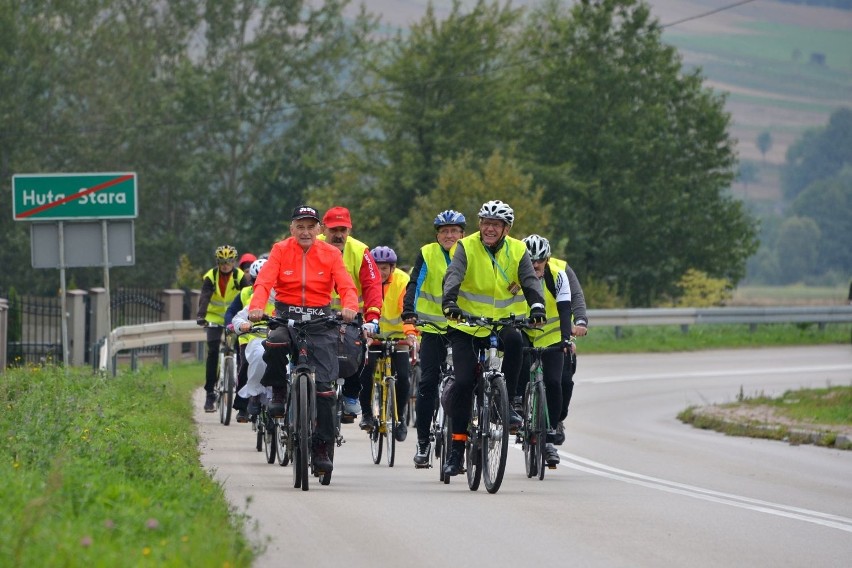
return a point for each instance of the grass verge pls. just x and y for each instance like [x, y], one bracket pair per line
[106, 472]
[805, 416]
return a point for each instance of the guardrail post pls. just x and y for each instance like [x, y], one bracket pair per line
[76, 326]
[4, 332]
[172, 311]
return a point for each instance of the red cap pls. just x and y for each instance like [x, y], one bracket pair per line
[247, 257]
[337, 217]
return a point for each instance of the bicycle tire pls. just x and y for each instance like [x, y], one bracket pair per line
[541, 427]
[473, 445]
[259, 430]
[228, 394]
[411, 408]
[376, 441]
[282, 433]
[304, 417]
[528, 432]
[495, 440]
[446, 440]
[390, 420]
[270, 446]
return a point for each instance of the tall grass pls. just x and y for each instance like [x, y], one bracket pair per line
[106, 472]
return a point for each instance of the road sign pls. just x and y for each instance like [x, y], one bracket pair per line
[82, 244]
[68, 197]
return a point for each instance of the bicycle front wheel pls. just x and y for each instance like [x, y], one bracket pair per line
[303, 430]
[390, 420]
[495, 439]
[270, 445]
[473, 446]
[529, 429]
[226, 397]
[541, 427]
[376, 435]
[444, 437]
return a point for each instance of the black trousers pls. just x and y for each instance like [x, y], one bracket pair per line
[433, 352]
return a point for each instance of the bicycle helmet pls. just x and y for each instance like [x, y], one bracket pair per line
[226, 252]
[384, 254]
[496, 209]
[538, 247]
[255, 267]
[450, 217]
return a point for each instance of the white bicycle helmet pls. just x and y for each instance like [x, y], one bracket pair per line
[538, 247]
[496, 209]
[255, 267]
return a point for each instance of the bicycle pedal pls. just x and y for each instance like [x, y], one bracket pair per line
[551, 466]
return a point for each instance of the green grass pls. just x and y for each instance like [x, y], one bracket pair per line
[639, 339]
[106, 472]
[830, 405]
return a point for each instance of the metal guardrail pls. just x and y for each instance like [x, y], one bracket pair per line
[145, 335]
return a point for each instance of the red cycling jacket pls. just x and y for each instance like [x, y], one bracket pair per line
[304, 278]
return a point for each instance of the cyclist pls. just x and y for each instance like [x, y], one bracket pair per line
[556, 331]
[251, 344]
[304, 271]
[337, 229]
[219, 286]
[423, 300]
[240, 302]
[394, 282]
[245, 261]
[490, 275]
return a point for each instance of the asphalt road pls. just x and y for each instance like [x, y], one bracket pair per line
[635, 488]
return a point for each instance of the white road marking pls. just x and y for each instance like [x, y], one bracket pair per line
[732, 373]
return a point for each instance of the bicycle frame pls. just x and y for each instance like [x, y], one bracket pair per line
[383, 397]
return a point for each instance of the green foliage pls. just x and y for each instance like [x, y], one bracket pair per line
[596, 108]
[92, 476]
[602, 295]
[797, 248]
[819, 154]
[764, 142]
[187, 276]
[698, 290]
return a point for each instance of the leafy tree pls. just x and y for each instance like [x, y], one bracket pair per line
[701, 291]
[797, 249]
[646, 145]
[438, 91]
[464, 184]
[764, 143]
[818, 154]
[829, 204]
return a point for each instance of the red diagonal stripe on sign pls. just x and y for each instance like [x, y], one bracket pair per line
[93, 189]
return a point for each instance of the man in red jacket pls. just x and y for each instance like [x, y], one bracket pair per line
[304, 272]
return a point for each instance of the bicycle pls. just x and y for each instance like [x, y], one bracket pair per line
[487, 442]
[294, 432]
[226, 371]
[267, 439]
[383, 399]
[533, 433]
[440, 432]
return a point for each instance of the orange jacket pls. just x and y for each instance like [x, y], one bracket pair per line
[303, 278]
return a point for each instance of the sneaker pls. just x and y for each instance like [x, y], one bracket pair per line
[518, 404]
[551, 456]
[351, 406]
[401, 431]
[366, 423]
[515, 422]
[319, 457]
[558, 434]
[242, 416]
[254, 405]
[454, 460]
[421, 456]
[210, 402]
[277, 407]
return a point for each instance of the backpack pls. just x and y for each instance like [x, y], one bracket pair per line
[350, 351]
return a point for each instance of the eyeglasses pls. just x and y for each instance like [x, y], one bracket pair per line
[491, 223]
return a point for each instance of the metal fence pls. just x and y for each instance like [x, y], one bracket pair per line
[34, 330]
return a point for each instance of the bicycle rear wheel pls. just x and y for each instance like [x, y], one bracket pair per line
[270, 445]
[282, 440]
[376, 441]
[495, 439]
[226, 400]
[390, 420]
[529, 432]
[473, 446]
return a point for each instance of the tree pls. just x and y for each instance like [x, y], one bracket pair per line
[464, 184]
[818, 154]
[647, 147]
[439, 91]
[797, 249]
[764, 143]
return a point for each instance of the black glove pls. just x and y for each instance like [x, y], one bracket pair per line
[537, 316]
[408, 315]
[201, 321]
[452, 311]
